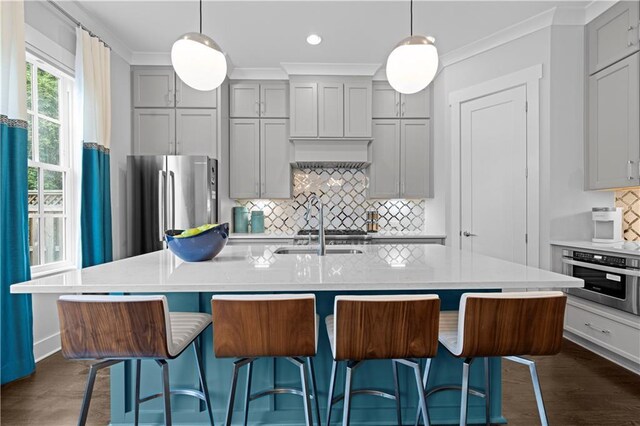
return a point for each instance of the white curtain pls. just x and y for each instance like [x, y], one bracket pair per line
[13, 95]
[92, 105]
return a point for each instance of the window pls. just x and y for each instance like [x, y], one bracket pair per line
[49, 178]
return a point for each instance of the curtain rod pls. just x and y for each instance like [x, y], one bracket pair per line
[75, 21]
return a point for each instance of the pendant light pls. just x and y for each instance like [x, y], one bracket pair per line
[198, 60]
[413, 63]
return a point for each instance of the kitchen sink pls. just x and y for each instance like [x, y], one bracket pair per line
[314, 250]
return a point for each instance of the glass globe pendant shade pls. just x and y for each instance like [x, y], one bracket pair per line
[412, 65]
[199, 61]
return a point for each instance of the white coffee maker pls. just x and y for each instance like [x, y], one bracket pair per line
[607, 225]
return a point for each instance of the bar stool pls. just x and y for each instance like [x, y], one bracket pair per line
[400, 328]
[113, 329]
[504, 325]
[248, 327]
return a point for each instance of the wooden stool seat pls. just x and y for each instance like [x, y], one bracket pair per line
[248, 327]
[400, 328]
[113, 329]
[506, 325]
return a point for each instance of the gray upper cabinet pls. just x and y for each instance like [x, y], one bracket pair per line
[613, 35]
[384, 171]
[387, 103]
[330, 109]
[401, 159]
[244, 100]
[416, 105]
[153, 87]
[304, 109]
[196, 132]
[275, 169]
[254, 99]
[188, 97]
[244, 158]
[154, 131]
[357, 109]
[614, 125]
[274, 100]
[415, 159]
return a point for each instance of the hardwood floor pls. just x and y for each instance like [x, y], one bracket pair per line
[579, 387]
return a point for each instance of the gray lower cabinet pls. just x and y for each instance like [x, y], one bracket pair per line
[613, 35]
[154, 131]
[401, 159]
[614, 125]
[259, 158]
[196, 132]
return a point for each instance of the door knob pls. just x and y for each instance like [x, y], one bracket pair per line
[469, 234]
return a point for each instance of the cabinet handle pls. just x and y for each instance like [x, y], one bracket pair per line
[403, 109]
[398, 109]
[264, 107]
[177, 151]
[258, 107]
[601, 330]
[629, 167]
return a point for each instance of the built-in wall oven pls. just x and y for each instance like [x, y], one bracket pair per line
[608, 280]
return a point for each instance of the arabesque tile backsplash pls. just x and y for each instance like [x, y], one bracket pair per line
[629, 200]
[343, 192]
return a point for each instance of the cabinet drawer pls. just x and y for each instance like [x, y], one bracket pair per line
[615, 336]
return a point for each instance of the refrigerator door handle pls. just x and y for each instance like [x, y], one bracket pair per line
[173, 199]
[162, 224]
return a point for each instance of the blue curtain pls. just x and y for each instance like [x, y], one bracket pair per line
[96, 206]
[16, 340]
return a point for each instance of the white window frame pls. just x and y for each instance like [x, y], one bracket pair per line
[65, 119]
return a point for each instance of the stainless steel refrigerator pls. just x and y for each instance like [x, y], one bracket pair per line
[168, 192]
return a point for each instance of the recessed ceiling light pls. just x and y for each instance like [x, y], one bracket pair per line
[314, 39]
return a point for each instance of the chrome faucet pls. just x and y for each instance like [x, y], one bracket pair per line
[322, 248]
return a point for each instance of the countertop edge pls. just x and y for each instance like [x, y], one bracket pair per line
[595, 247]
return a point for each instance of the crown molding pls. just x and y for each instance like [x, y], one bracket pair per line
[258, 74]
[507, 35]
[150, 58]
[96, 26]
[297, 68]
[596, 8]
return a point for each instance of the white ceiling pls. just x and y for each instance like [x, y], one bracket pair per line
[263, 34]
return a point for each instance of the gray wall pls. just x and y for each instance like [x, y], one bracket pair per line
[564, 204]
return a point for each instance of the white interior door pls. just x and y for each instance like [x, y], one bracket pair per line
[493, 155]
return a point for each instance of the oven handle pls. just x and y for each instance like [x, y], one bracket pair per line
[621, 271]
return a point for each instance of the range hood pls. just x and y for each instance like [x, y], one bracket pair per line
[343, 153]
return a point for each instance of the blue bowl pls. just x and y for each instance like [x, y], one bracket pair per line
[204, 246]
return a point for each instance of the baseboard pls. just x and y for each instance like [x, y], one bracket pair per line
[46, 347]
[613, 357]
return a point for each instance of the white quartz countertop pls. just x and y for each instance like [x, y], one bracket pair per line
[609, 248]
[374, 235]
[255, 268]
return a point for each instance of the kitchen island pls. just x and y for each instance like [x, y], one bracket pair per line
[385, 268]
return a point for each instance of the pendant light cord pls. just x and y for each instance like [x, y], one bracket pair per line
[411, 25]
[200, 16]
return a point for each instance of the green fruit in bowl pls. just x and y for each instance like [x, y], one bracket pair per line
[195, 231]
